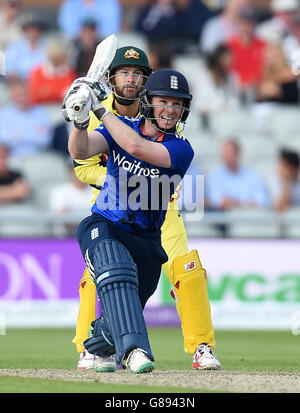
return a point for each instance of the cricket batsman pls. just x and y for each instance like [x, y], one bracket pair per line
[126, 77]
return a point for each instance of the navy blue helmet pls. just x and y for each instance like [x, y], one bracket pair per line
[165, 82]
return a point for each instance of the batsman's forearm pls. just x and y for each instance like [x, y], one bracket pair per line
[78, 144]
[125, 136]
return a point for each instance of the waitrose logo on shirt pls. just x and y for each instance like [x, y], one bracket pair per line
[134, 167]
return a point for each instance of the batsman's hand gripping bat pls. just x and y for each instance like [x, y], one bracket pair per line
[105, 52]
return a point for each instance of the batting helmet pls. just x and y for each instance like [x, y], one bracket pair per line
[127, 56]
[130, 56]
[165, 82]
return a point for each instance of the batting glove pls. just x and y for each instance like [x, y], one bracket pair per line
[85, 90]
[98, 95]
[77, 106]
[71, 92]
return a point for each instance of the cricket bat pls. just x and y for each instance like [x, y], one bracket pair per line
[105, 52]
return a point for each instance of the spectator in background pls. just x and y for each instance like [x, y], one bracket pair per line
[278, 83]
[13, 185]
[291, 42]
[285, 188]
[49, 81]
[107, 14]
[84, 46]
[248, 53]
[220, 28]
[25, 129]
[274, 30]
[232, 185]
[159, 56]
[178, 22]
[29, 51]
[156, 20]
[59, 201]
[191, 17]
[215, 87]
[10, 26]
[60, 138]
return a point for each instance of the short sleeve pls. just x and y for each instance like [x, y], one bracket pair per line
[102, 129]
[181, 154]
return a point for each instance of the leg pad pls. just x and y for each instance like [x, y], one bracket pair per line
[117, 286]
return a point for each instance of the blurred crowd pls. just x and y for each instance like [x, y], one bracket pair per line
[247, 53]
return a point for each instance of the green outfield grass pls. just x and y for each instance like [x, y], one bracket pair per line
[53, 348]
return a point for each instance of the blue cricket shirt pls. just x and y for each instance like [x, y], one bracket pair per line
[135, 194]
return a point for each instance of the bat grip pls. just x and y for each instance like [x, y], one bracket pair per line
[77, 107]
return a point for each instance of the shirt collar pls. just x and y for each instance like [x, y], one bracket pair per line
[158, 139]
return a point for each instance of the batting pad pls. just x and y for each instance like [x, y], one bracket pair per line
[117, 287]
[87, 309]
[190, 293]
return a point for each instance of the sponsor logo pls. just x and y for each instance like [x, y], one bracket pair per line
[190, 266]
[148, 188]
[131, 54]
[94, 233]
[134, 167]
[174, 82]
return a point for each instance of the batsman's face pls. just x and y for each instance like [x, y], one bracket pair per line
[129, 82]
[167, 111]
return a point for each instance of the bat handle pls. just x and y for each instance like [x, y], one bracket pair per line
[77, 107]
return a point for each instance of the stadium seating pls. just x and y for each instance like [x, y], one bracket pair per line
[43, 171]
[23, 220]
[132, 38]
[291, 223]
[188, 65]
[202, 230]
[253, 223]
